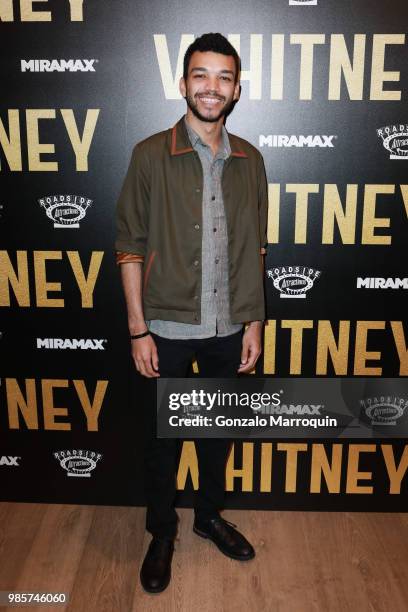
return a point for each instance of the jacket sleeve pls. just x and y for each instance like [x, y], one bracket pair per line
[262, 204]
[132, 210]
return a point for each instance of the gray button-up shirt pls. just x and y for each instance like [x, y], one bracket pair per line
[215, 307]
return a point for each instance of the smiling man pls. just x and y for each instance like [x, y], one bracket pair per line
[191, 237]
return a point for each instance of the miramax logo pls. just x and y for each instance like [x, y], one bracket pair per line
[84, 344]
[65, 210]
[58, 65]
[283, 141]
[293, 281]
[395, 140]
[78, 462]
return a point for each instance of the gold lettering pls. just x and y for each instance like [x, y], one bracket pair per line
[254, 74]
[361, 355]
[18, 404]
[320, 465]
[245, 473]
[296, 341]
[401, 345]
[273, 212]
[291, 449]
[277, 57]
[51, 411]
[404, 192]
[370, 221]
[33, 115]
[307, 43]
[80, 145]
[266, 467]
[18, 281]
[42, 287]
[188, 465]
[86, 284]
[353, 475]
[269, 347]
[326, 344]
[6, 10]
[77, 13]
[11, 144]
[378, 74]
[333, 209]
[27, 13]
[93, 409]
[302, 200]
[340, 64]
[395, 474]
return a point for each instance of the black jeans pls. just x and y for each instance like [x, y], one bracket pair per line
[216, 358]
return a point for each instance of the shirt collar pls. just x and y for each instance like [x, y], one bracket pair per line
[224, 150]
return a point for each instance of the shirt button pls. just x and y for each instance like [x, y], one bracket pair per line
[213, 198]
[216, 260]
[215, 291]
[214, 229]
[197, 227]
[196, 262]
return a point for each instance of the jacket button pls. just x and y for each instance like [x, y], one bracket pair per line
[197, 227]
[196, 297]
[198, 190]
[196, 262]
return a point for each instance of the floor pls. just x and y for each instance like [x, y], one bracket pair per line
[306, 561]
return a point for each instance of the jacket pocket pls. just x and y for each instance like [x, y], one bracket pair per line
[148, 269]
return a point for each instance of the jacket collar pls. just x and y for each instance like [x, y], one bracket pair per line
[180, 142]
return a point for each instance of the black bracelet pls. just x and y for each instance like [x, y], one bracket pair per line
[146, 333]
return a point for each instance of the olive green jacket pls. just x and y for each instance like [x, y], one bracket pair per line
[159, 218]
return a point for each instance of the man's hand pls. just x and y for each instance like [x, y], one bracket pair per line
[144, 353]
[251, 346]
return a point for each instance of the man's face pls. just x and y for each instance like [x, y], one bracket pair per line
[210, 88]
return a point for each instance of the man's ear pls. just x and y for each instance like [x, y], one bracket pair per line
[237, 90]
[182, 87]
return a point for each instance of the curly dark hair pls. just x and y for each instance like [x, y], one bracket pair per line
[215, 42]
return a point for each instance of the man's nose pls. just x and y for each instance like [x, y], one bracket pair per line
[213, 84]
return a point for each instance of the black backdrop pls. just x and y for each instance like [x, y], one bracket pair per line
[294, 94]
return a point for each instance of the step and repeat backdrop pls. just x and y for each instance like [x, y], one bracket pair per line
[324, 98]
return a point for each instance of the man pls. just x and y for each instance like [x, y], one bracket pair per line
[191, 239]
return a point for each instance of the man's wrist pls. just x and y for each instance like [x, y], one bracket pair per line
[137, 327]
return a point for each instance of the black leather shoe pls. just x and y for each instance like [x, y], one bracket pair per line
[156, 569]
[225, 537]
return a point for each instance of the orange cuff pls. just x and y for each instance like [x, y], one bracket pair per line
[122, 257]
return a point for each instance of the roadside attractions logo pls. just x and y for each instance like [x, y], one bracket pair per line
[293, 281]
[66, 211]
[395, 140]
[55, 65]
[383, 410]
[78, 463]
